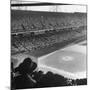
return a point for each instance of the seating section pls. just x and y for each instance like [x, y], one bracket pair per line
[48, 39]
[34, 20]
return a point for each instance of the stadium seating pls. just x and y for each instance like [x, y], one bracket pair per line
[34, 21]
[32, 43]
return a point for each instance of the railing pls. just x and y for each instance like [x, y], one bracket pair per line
[42, 31]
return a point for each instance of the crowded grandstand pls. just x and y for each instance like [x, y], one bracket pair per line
[52, 27]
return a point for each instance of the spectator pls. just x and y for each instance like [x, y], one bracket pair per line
[24, 80]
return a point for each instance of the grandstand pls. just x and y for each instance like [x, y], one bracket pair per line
[51, 26]
[23, 21]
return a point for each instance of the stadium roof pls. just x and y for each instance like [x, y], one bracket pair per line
[33, 3]
[46, 6]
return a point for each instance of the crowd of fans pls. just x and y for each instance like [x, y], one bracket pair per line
[33, 21]
[48, 39]
[61, 27]
[71, 26]
[26, 75]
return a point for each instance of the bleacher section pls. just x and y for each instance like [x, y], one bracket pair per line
[23, 21]
[27, 28]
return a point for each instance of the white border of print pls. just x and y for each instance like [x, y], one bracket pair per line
[5, 44]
